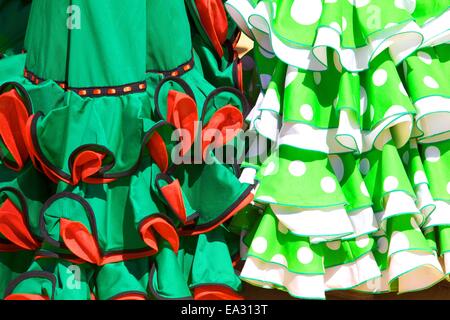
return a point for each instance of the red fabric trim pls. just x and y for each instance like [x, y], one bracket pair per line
[227, 121]
[163, 228]
[240, 75]
[183, 114]
[86, 164]
[80, 241]
[93, 297]
[236, 260]
[131, 296]
[13, 119]
[26, 296]
[14, 228]
[173, 195]
[117, 257]
[241, 205]
[158, 151]
[214, 20]
[215, 292]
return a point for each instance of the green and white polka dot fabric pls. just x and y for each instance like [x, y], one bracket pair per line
[356, 108]
[300, 31]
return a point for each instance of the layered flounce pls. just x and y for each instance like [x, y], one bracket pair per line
[93, 189]
[165, 275]
[299, 32]
[330, 155]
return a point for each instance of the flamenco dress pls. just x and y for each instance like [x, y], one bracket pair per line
[340, 210]
[15, 188]
[200, 188]
[108, 229]
[85, 121]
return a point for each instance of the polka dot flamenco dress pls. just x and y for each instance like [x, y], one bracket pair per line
[353, 189]
[91, 204]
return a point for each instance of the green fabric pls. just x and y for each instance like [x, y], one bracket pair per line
[14, 18]
[130, 201]
[55, 279]
[357, 170]
[27, 190]
[13, 264]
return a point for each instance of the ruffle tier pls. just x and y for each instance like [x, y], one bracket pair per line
[299, 32]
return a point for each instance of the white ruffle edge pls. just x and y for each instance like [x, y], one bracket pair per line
[401, 40]
[310, 286]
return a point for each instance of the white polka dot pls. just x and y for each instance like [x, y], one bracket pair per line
[405, 157]
[297, 168]
[359, 3]
[430, 82]
[328, 184]
[364, 190]
[336, 26]
[379, 77]
[390, 183]
[269, 169]
[306, 112]
[317, 77]
[344, 24]
[432, 154]
[265, 80]
[395, 110]
[259, 245]
[408, 5]
[448, 188]
[362, 241]
[338, 166]
[399, 241]
[362, 101]
[402, 89]
[280, 259]
[334, 245]
[291, 75]
[305, 255]
[424, 57]
[282, 228]
[337, 62]
[420, 177]
[266, 199]
[306, 12]
[382, 245]
[364, 166]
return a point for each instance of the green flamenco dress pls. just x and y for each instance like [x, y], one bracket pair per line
[214, 38]
[21, 188]
[425, 156]
[340, 211]
[201, 190]
[108, 230]
[84, 120]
